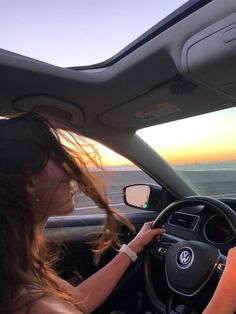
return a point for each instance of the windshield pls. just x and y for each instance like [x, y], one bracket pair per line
[201, 149]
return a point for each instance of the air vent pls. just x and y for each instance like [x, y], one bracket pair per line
[183, 220]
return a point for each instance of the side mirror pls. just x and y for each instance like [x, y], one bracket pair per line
[143, 196]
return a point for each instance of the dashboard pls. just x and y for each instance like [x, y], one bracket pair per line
[202, 224]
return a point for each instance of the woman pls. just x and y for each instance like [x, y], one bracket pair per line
[38, 176]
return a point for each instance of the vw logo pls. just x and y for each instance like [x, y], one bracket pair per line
[185, 258]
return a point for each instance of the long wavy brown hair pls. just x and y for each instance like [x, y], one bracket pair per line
[27, 142]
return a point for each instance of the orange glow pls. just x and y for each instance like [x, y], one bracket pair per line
[110, 158]
[199, 157]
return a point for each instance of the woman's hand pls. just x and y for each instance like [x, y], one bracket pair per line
[227, 283]
[229, 275]
[224, 298]
[145, 235]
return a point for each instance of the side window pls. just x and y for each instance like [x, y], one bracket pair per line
[118, 172]
[114, 178]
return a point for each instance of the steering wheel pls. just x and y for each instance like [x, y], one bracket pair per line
[189, 265]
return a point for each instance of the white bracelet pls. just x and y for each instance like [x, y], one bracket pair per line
[130, 253]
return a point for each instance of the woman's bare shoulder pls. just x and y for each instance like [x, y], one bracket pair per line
[52, 305]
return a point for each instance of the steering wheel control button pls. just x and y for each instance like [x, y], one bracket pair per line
[185, 258]
[221, 267]
[195, 263]
[221, 264]
[162, 250]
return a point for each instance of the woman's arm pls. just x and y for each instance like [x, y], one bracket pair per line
[93, 291]
[224, 298]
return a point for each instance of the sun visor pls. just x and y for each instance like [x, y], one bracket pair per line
[57, 109]
[165, 103]
[209, 57]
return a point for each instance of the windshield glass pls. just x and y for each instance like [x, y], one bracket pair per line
[201, 149]
[76, 32]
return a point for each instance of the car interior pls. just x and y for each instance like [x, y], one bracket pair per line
[182, 68]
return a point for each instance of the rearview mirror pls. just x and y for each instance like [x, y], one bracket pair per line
[143, 196]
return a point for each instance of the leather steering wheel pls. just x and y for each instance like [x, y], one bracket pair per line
[189, 265]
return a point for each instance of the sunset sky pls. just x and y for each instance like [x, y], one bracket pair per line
[202, 139]
[206, 138]
[77, 32]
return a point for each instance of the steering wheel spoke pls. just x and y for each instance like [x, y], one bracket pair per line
[160, 248]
